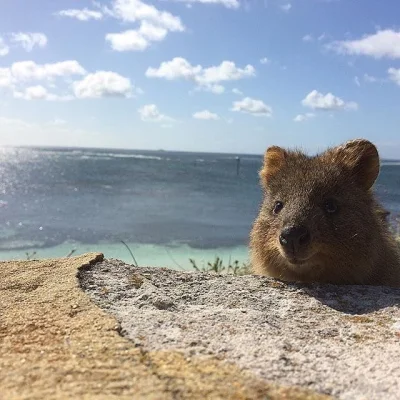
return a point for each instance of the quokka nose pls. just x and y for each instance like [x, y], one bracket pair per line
[294, 237]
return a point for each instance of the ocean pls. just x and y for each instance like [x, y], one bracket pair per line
[166, 206]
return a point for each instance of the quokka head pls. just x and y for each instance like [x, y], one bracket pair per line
[318, 208]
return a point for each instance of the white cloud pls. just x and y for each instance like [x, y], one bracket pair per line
[237, 91]
[152, 32]
[130, 40]
[82, 15]
[19, 73]
[217, 89]
[33, 93]
[39, 93]
[234, 4]
[357, 81]
[370, 79]
[226, 71]
[177, 68]
[154, 25]
[150, 113]
[4, 49]
[206, 78]
[286, 7]
[29, 70]
[103, 84]
[136, 10]
[29, 40]
[264, 60]
[136, 40]
[318, 101]
[394, 75]
[310, 38]
[253, 107]
[303, 117]
[205, 114]
[373, 79]
[382, 44]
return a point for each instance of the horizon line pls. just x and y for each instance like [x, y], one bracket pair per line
[145, 150]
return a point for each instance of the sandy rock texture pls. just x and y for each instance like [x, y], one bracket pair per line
[342, 341]
[55, 343]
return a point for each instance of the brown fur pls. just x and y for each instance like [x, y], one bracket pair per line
[351, 246]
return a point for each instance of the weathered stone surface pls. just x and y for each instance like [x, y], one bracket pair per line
[55, 343]
[340, 340]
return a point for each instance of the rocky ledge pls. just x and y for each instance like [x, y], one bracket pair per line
[85, 327]
[342, 341]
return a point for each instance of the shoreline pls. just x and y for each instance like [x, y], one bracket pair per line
[170, 256]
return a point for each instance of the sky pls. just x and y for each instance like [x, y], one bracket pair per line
[200, 75]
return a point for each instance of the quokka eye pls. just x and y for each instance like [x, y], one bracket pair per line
[278, 207]
[331, 206]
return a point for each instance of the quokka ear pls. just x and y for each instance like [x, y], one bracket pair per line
[360, 157]
[274, 160]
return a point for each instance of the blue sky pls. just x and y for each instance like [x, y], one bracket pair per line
[200, 75]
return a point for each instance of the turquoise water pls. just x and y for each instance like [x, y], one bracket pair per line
[145, 254]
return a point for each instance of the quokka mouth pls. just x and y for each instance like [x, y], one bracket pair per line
[294, 260]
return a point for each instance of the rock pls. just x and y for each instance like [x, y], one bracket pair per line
[55, 343]
[342, 341]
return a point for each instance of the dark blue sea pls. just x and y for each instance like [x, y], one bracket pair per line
[59, 198]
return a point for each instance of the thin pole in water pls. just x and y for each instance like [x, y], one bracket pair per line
[237, 165]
